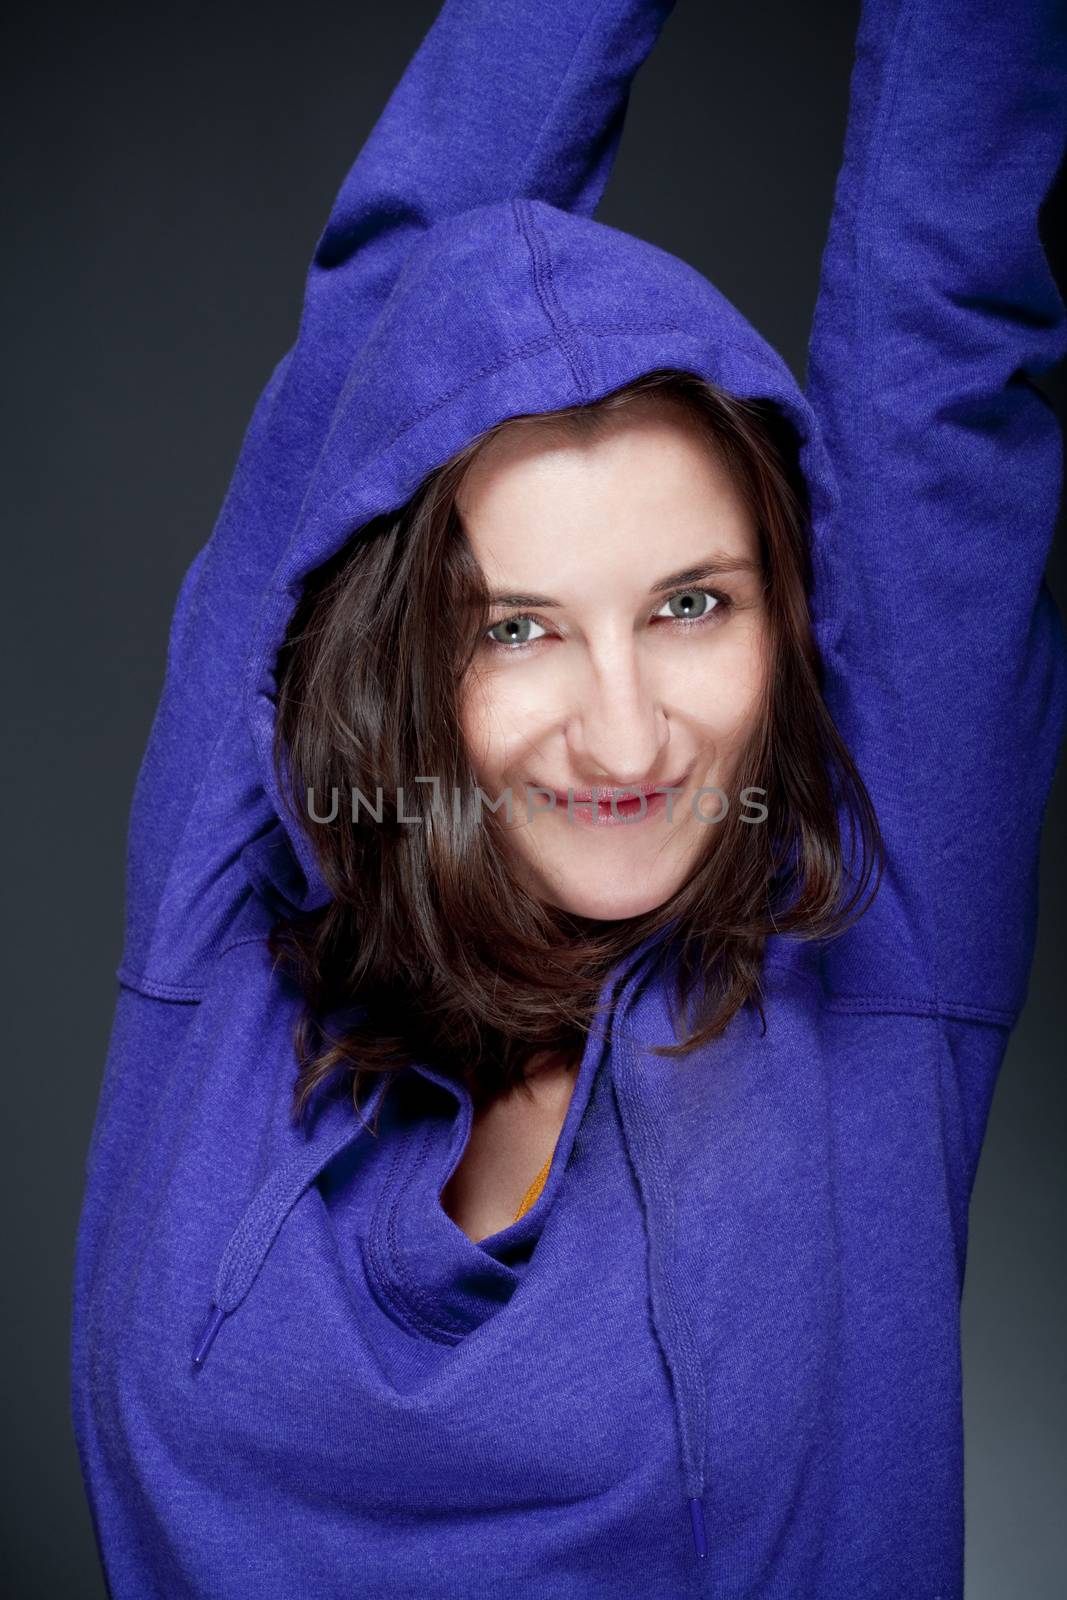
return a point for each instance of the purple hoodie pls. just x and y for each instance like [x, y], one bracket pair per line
[720, 1356]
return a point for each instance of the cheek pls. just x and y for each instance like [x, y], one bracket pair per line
[743, 692]
[722, 692]
[487, 713]
[504, 713]
[475, 723]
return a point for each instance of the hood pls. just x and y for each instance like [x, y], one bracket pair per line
[505, 309]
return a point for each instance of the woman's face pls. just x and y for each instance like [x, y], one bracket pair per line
[627, 648]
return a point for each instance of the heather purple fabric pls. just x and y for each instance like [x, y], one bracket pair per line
[720, 1356]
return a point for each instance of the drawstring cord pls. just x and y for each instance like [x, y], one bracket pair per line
[263, 1218]
[669, 1317]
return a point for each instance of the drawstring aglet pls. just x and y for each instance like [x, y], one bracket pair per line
[700, 1537]
[207, 1338]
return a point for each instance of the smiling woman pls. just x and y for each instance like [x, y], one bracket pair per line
[674, 652]
[611, 683]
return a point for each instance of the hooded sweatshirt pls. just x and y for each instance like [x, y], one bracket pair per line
[719, 1355]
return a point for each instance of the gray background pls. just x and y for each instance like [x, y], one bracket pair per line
[169, 170]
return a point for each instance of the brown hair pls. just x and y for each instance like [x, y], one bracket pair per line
[431, 948]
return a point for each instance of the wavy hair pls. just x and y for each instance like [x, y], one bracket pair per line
[431, 948]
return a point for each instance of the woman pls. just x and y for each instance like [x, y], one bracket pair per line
[604, 1231]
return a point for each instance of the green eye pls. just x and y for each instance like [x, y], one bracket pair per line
[515, 631]
[689, 605]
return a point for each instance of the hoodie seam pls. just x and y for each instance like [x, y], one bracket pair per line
[896, 1004]
[600, 330]
[247, 938]
[419, 1301]
[180, 993]
[402, 1298]
[518, 353]
[545, 289]
[932, 1009]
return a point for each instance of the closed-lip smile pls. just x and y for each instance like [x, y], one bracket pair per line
[629, 791]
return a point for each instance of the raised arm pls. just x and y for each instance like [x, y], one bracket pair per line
[501, 99]
[936, 311]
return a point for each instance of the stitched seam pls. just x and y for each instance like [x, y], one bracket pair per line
[606, 329]
[403, 1313]
[894, 1004]
[517, 353]
[407, 1311]
[179, 992]
[602, 330]
[419, 1301]
[248, 938]
[545, 289]
[905, 1005]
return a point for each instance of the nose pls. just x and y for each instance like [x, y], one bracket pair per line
[618, 730]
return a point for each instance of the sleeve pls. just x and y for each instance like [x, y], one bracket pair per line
[936, 313]
[490, 107]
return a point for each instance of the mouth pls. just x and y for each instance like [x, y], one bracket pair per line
[631, 792]
[614, 806]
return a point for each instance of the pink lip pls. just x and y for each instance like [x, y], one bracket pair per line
[633, 805]
[627, 813]
[631, 791]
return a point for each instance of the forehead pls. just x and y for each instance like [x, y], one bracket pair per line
[648, 485]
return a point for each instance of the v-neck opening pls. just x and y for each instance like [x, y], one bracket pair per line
[426, 1272]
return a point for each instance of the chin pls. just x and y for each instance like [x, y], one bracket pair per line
[608, 903]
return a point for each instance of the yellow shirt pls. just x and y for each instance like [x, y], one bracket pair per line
[530, 1197]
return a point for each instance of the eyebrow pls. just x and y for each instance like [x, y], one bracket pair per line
[715, 567]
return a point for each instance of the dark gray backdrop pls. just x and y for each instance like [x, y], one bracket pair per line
[170, 168]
